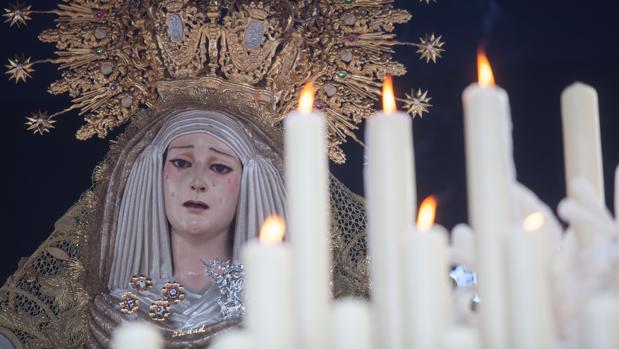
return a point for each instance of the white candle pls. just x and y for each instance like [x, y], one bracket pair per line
[268, 288]
[486, 120]
[600, 322]
[351, 323]
[426, 299]
[390, 194]
[582, 146]
[459, 337]
[617, 193]
[531, 316]
[307, 191]
[139, 334]
[232, 339]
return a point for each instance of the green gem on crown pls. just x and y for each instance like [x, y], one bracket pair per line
[99, 52]
[341, 74]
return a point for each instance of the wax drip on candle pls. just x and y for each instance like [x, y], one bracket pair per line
[486, 80]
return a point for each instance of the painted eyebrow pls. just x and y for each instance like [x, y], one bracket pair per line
[222, 153]
[181, 147]
[211, 148]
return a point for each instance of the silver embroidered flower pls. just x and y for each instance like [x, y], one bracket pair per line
[229, 278]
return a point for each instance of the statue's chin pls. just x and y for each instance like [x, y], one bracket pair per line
[195, 226]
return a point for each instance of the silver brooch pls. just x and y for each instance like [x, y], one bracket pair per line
[229, 278]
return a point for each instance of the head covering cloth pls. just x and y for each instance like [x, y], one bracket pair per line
[142, 239]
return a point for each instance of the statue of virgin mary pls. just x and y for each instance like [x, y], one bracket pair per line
[177, 196]
[202, 87]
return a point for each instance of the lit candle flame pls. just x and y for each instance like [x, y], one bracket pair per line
[306, 102]
[272, 230]
[533, 222]
[484, 71]
[388, 96]
[427, 213]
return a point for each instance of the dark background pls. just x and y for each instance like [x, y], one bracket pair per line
[536, 48]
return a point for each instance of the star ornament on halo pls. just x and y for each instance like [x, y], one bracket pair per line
[40, 123]
[430, 47]
[17, 14]
[19, 69]
[417, 103]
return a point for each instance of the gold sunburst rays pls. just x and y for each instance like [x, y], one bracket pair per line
[359, 46]
[342, 126]
[95, 99]
[360, 84]
[381, 40]
[78, 57]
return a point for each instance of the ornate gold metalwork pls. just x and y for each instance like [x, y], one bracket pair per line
[160, 310]
[40, 123]
[115, 54]
[430, 48]
[417, 103]
[129, 303]
[173, 292]
[141, 282]
[19, 69]
[17, 14]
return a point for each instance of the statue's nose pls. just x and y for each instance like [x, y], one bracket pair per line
[198, 186]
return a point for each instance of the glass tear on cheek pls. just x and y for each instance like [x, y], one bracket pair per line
[173, 194]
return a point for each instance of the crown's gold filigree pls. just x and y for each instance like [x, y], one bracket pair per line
[17, 14]
[430, 47]
[116, 56]
[40, 123]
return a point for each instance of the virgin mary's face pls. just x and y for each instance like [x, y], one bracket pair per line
[202, 177]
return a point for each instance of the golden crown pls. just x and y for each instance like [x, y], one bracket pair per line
[119, 56]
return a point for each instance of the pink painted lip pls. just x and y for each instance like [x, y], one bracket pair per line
[196, 205]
